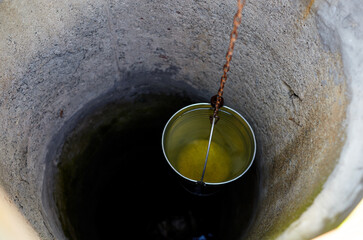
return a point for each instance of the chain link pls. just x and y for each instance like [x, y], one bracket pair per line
[233, 37]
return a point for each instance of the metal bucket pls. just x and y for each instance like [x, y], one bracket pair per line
[185, 141]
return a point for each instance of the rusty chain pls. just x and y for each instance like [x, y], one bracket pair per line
[217, 100]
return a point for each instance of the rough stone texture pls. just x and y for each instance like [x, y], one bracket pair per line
[59, 56]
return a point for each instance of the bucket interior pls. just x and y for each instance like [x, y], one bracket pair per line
[185, 142]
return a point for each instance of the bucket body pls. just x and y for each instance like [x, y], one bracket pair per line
[185, 141]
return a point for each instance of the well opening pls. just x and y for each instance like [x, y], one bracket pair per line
[112, 180]
[290, 77]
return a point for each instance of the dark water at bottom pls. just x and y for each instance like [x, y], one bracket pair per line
[123, 188]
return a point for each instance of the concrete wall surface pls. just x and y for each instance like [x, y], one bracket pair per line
[296, 75]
